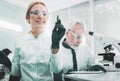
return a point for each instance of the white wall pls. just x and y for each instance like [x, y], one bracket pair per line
[13, 14]
[106, 21]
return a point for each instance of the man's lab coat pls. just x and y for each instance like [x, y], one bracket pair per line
[63, 59]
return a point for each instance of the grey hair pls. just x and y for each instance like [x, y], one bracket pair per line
[81, 23]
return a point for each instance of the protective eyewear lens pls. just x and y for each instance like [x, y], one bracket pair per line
[76, 36]
[38, 12]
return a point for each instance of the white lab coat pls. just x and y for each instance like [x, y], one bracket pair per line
[63, 59]
[31, 58]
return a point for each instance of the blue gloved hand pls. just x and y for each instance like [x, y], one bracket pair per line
[57, 34]
[96, 68]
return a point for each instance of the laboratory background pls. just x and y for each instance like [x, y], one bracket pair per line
[100, 16]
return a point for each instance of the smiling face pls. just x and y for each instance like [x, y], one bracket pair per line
[37, 16]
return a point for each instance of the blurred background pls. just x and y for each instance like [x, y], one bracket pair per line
[101, 16]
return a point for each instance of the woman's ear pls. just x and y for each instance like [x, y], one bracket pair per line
[28, 19]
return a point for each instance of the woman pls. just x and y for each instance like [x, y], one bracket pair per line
[31, 61]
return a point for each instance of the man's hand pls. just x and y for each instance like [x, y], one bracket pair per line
[57, 34]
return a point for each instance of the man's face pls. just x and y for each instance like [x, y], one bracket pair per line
[75, 36]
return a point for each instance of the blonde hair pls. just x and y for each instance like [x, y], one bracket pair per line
[34, 2]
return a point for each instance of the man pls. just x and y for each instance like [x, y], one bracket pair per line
[73, 54]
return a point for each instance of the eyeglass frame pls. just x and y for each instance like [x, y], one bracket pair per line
[39, 12]
[78, 37]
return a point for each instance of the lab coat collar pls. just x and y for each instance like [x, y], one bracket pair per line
[39, 36]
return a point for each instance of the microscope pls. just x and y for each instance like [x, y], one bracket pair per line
[108, 43]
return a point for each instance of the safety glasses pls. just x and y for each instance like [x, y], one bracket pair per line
[77, 37]
[38, 12]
